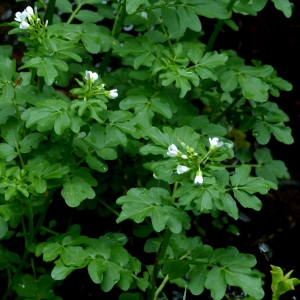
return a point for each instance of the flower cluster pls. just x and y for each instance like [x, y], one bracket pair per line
[191, 158]
[90, 90]
[29, 18]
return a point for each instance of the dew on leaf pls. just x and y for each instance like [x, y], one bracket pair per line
[255, 133]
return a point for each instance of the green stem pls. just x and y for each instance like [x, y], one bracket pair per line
[274, 297]
[49, 230]
[236, 166]
[109, 208]
[24, 231]
[166, 34]
[33, 268]
[160, 288]
[8, 276]
[157, 264]
[218, 29]
[219, 118]
[74, 13]
[16, 108]
[34, 235]
[30, 221]
[118, 24]
[50, 12]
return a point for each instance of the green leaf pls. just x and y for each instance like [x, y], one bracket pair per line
[263, 155]
[141, 203]
[73, 255]
[282, 133]
[285, 6]
[262, 132]
[209, 9]
[61, 271]
[132, 5]
[197, 279]
[96, 164]
[258, 5]
[188, 18]
[51, 251]
[30, 141]
[253, 88]
[85, 15]
[111, 276]
[246, 200]
[44, 68]
[7, 68]
[3, 227]
[176, 269]
[96, 268]
[76, 190]
[215, 281]
[7, 152]
[64, 6]
[27, 287]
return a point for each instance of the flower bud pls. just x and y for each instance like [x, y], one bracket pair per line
[181, 169]
[173, 151]
[198, 179]
[113, 94]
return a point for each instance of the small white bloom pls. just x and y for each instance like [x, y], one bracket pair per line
[46, 23]
[20, 16]
[183, 156]
[214, 143]
[29, 10]
[113, 94]
[173, 151]
[24, 25]
[198, 179]
[90, 76]
[182, 169]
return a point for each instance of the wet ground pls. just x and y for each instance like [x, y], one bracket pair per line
[272, 235]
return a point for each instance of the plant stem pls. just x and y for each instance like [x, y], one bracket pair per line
[217, 29]
[219, 118]
[77, 9]
[49, 230]
[24, 232]
[118, 24]
[157, 264]
[33, 268]
[160, 288]
[109, 208]
[50, 12]
[30, 222]
[34, 235]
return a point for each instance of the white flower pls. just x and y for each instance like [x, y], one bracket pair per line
[90, 76]
[46, 23]
[113, 94]
[182, 169]
[20, 17]
[173, 151]
[24, 25]
[183, 156]
[214, 143]
[198, 179]
[29, 11]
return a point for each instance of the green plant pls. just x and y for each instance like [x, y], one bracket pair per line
[149, 129]
[282, 283]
